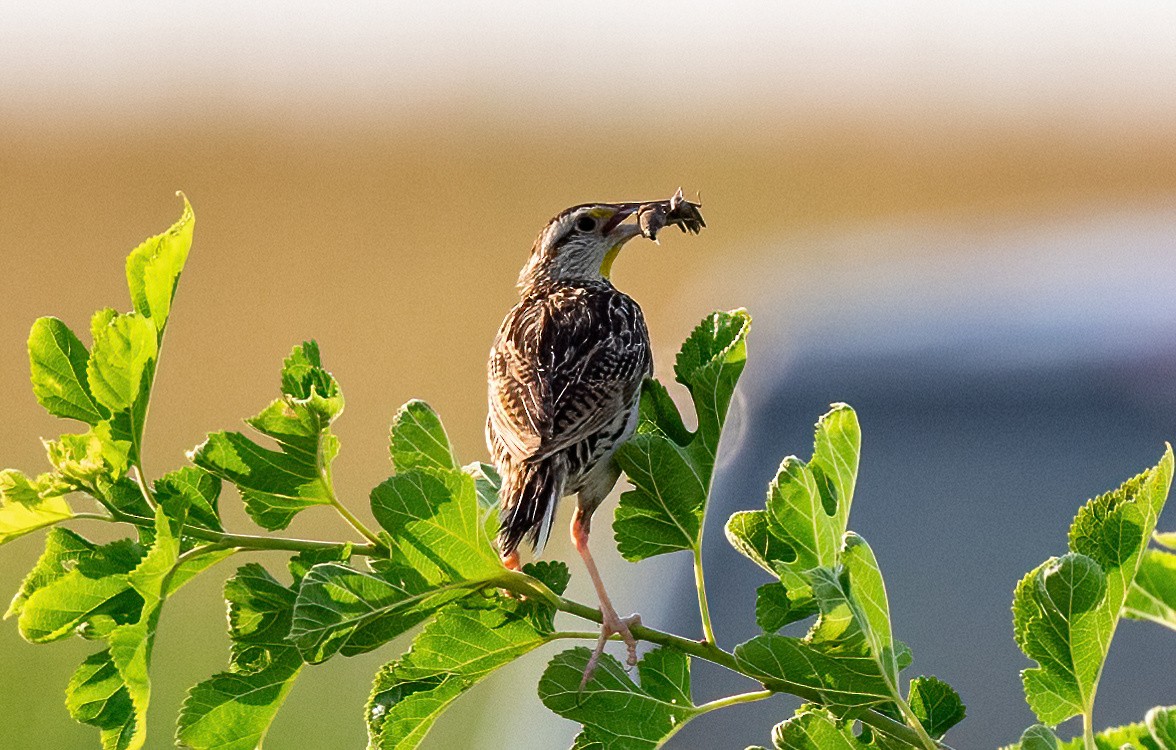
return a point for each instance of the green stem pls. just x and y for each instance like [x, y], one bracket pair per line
[521, 583]
[734, 700]
[1088, 731]
[356, 524]
[913, 722]
[241, 541]
[325, 475]
[708, 630]
[140, 479]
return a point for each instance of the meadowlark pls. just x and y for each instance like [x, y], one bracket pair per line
[565, 375]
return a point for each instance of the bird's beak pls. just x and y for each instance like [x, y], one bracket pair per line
[615, 228]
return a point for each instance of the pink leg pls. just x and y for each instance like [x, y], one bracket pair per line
[613, 624]
[511, 561]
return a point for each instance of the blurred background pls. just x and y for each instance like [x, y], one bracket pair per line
[960, 218]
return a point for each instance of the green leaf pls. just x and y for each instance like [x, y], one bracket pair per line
[437, 524]
[154, 267]
[807, 510]
[748, 531]
[340, 609]
[97, 696]
[111, 689]
[848, 657]
[808, 504]
[1161, 724]
[276, 485]
[85, 461]
[92, 595]
[615, 712]
[772, 608]
[125, 348]
[57, 362]
[1036, 737]
[233, 710]
[26, 506]
[1153, 594]
[664, 511]
[670, 468]
[1156, 732]
[584, 742]
[418, 440]
[194, 491]
[1166, 538]
[130, 644]
[455, 651]
[1066, 610]
[936, 704]
[63, 548]
[814, 729]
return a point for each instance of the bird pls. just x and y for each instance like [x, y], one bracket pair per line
[565, 374]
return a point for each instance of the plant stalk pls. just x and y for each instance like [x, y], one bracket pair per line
[708, 630]
[240, 541]
[524, 584]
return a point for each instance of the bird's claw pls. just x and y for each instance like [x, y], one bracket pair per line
[613, 625]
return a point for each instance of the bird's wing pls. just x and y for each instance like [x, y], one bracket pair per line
[563, 367]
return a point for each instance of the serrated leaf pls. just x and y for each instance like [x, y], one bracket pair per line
[26, 506]
[1065, 611]
[97, 696]
[1156, 732]
[63, 548]
[1153, 593]
[340, 609]
[92, 596]
[772, 608]
[130, 644]
[456, 650]
[121, 361]
[670, 468]
[418, 440]
[807, 509]
[585, 742]
[814, 729]
[664, 513]
[1036, 737]
[233, 710]
[849, 656]
[936, 704]
[749, 533]
[154, 267]
[190, 493]
[92, 458]
[615, 712]
[437, 524]
[276, 485]
[1161, 723]
[57, 365]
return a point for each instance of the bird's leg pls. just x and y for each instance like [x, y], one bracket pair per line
[613, 624]
[511, 561]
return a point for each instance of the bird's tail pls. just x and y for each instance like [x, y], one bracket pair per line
[530, 493]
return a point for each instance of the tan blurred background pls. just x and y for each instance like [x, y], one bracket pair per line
[372, 176]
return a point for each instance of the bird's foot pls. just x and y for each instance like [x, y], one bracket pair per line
[613, 625]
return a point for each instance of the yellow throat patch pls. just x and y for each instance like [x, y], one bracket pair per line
[609, 257]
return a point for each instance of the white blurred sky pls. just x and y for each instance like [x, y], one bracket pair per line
[1107, 62]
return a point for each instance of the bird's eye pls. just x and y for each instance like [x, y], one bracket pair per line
[586, 224]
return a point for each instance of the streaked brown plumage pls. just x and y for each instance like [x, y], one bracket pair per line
[565, 376]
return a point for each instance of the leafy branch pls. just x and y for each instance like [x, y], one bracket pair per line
[431, 567]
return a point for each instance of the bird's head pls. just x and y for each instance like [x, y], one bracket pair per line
[580, 244]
